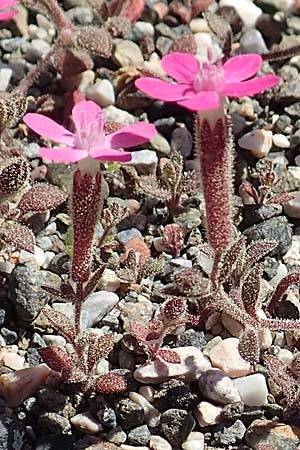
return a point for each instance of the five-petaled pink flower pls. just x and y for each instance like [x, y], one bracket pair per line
[200, 85]
[7, 4]
[89, 139]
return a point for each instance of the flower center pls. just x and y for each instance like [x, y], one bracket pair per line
[210, 77]
[90, 134]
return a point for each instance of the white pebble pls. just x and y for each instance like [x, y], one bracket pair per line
[207, 414]
[5, 76]
[195, 441]
[252, 389]
[127, 53]
[97, 306]
[259, 142]
[145, 27]
[286, 356]
[159, 443]
[281, 141]
[102, 93]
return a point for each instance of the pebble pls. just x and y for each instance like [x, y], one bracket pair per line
[127, 53]
[252, 389]
[12, 433]
[192, 365]
[277, 229]
[132, 447]
[292, 207]
[102, 93]
[139, 435]
[208, 414]
[126, 235]
[278, 435]
[281, 141]
[159, 443]
[25, 291]
[248, 11]
[109, 281]
[130, 414]
[5, 77]
[160, 144]
[230, 435]
[286, 356]
[80, 15]
[12, 360]
[36, 49]
[175, 425]
[117, 436]
[15, 387]
[253, 42]
[145, 161]
[226, 357]
[217, 386]
[151, 414]
[86, 423]
[195, 441]
[182, 141]
[192, 338]
[199, 25]
[97, 306]
[145, 28]
[114, 114]
[259, 142]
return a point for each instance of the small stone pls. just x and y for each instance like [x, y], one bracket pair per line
[97, 306]
[15, 387]
[159, 443]
[160, 144]
[192, 338]
[81, 15]
[36, 50]
[286, 356]
[5, 77]
[230, 435]
[176, 424]
[109, 281]
[126, 235]
[13, 360]
[292, 207]
[139, 435]
[194, 441]
[127, 53]
[146, 28]
[252, 389]
[248, 11]
[114, 114]
[226, 357]
[51, 422]
[10, 336]
[281, 141]
[145, 161]
[259, 142]
[277, 435]
[276, 229]
[130, 414]
[217, 386]
[192, 365]
[182, 141]
[117, 436]
[102, 93]
[253, 42]
[151, 414]
[86, 423]
[208, 414]
[12, 433]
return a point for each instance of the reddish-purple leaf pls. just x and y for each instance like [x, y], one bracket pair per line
[169, 356]
[111, 383]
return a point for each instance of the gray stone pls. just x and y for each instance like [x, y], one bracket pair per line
[139, 435]
[230, 435]
[175, 425]
[189, 219]
[129, 413]
[12, 433]
[253, 42]
[191, 337]
[182, 141]
[145, 161]
[80, 15]
[126, 235]
[50, 422]
[277, 229]
[25, 291]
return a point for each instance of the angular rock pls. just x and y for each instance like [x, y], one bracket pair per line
[252, 389]
[217, 386]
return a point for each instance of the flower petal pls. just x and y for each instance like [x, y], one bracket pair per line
[108, 154]
[201, 101]
[46, 127]
[181, 66]
[131, 135]
[250, 87]
[8, 3]
[241, 67]
[85, 113]
[162, 90]
[7, 15]
[63, 154]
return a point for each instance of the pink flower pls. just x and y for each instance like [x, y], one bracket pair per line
[89, 139]
[200, 85]
[5, 4]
